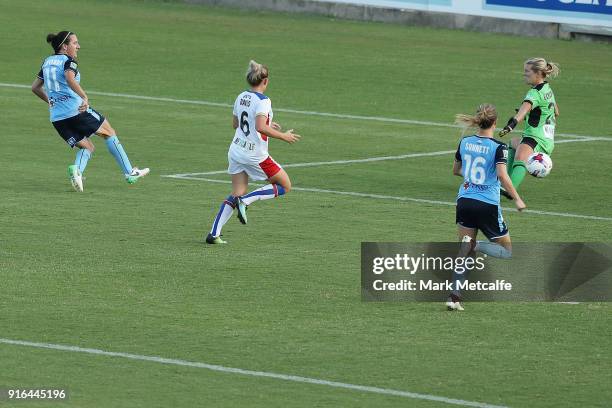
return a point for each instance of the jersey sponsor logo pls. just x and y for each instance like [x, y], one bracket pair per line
[55, 99]
[73, 65]
[245, 144]
[477, 187]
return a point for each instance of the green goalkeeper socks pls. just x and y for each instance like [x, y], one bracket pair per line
[518, 173]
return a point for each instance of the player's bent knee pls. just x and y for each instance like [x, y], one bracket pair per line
[522, 154]
[109, 131]
[86, 144]
[521, 157]
[106, 130]
[103, 133]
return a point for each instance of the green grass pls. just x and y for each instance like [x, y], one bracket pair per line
[123, 268]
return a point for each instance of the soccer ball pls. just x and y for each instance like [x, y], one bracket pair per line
[539, 164]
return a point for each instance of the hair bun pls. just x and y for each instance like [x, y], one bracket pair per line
[51, 37]
[256, 73]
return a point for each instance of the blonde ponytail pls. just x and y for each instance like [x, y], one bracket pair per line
[548, 69]
[485, 117]
[552, 69]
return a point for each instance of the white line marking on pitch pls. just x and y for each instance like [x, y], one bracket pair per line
[327, 163]
[388, 197]
[369, 159]
[265, 374]
[295, 111]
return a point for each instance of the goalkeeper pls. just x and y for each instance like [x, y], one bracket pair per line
[540, 111]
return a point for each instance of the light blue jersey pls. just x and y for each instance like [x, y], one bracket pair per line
[479, 156]
[63, 102]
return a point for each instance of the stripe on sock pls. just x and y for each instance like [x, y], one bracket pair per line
[217, 218]
[80, 159]
[259, 193]
[116, 143]
[230, 201]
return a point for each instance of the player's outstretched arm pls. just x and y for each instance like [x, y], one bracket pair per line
[506, 182]
[39, 90]
[262, 127]
[516, 119]
[76, 87]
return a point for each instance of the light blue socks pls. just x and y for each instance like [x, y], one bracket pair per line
[116, 149]
[82, 157]
[492, 249]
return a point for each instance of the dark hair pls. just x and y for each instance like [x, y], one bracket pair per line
[56, 40]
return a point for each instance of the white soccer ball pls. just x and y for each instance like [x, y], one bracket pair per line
[539, 164]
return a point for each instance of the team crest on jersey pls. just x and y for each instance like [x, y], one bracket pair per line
[505, 154]
[73, 65]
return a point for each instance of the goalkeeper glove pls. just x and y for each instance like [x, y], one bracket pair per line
[509, 127]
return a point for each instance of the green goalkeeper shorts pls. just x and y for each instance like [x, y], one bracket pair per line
[539, 145]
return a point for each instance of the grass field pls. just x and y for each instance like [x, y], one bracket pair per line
[124, 268]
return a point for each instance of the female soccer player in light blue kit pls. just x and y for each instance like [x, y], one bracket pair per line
[57, 84]
[481, 161]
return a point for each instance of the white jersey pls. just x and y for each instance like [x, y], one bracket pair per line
[248, 143]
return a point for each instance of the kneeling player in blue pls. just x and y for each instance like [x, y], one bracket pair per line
[57, 84]
[481, 161]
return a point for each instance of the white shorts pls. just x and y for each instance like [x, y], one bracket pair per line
[255, 170]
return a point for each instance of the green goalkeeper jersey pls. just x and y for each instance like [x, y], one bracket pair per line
[540, 122]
